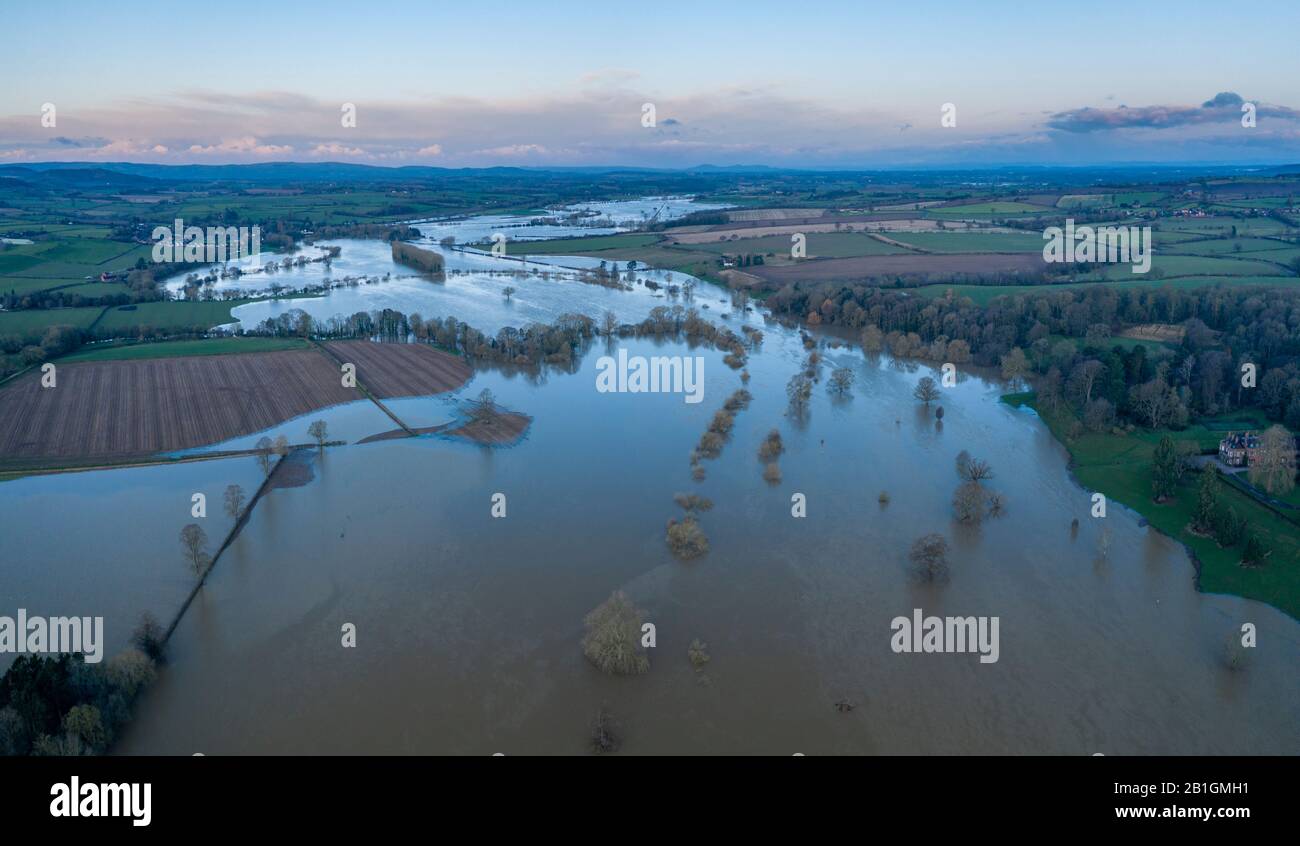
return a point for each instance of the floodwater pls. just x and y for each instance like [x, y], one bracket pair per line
[468, 626]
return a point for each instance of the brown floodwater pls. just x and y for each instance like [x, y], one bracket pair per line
[468, 626]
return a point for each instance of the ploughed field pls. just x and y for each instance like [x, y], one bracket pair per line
[402, 370]
[125, 409]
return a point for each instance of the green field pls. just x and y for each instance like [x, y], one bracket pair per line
[1224, 225]
[1174, 266]
[989, 209]
[579, 246]
[171, 349]
[973, 242]
[820, 245]
[34, 323]
[1226, 246]
[984, 294]
[1119, 466]
[169, 314]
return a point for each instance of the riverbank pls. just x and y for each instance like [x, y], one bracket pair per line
[1119, 466]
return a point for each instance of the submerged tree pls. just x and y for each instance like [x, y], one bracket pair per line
[841, 383]
[926, 390]
[234, 501]
[929, 556]
[264, 455]
[799, 390]
[319, 432]
[194, 542]
[148, 636]
[613, 638]
[771, 447]
[686, 539]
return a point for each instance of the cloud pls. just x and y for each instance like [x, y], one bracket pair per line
[248, 145]
[126, 148]
[512, 151]
[1224, 107]
[336, 149]
[601, 125]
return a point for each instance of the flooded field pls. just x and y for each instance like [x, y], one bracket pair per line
[468, 625]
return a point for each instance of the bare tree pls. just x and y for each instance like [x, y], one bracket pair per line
[281, 447]
[1153, 400]
[968, 502]
[609, 323]
[509, 292]
[971, 469]
[319, 432]
[264, 455]
[841, 382]
[926, 390]
[234, 501]
[484, 409]
[613, 638]
[799, 390]
[929, 556]
[194, 542]
[1083, 377]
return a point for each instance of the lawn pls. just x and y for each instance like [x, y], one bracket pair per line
[1119, 466]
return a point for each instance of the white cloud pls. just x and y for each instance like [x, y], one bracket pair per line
[247, 145]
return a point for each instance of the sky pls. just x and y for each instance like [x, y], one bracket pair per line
[791, 84]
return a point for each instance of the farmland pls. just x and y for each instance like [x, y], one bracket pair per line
[878, 267]
[128, 408]
[400, 370]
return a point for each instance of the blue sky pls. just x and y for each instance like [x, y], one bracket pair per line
[810, 83]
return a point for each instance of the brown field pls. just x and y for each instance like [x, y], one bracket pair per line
[773, 214]
[128, 409]
[402, 370]
[508, 427]
[864, 268]
[124, 408]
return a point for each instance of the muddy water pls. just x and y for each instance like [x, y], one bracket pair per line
[108, 543]
[468, 627]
